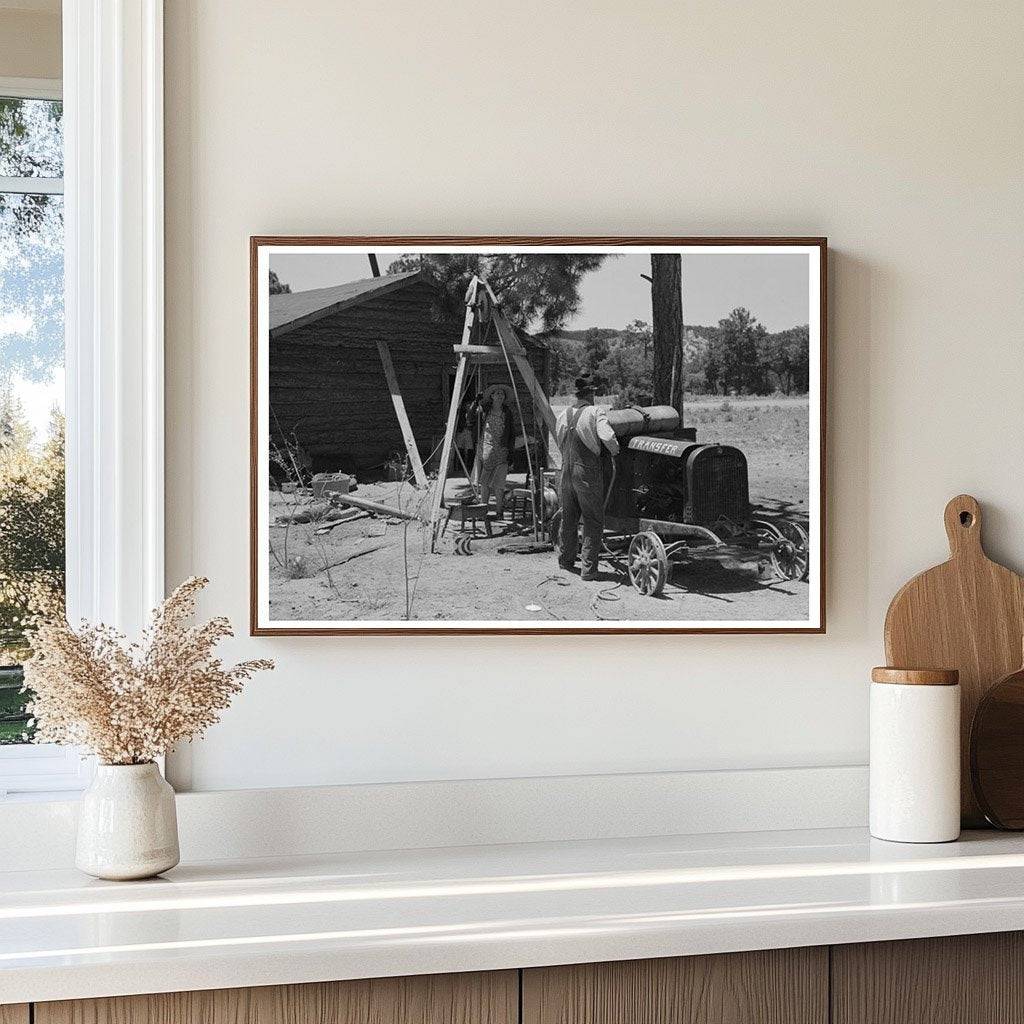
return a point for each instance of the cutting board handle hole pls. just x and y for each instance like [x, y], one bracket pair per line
[962, 517]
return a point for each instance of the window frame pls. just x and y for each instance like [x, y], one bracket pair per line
[32, 88]
[112, 90]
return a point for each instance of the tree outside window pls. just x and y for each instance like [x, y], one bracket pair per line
[31, 386]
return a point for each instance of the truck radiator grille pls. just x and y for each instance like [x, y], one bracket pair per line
[717, 485]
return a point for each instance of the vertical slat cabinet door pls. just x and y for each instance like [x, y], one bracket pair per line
[961, 979]
[481, 998]
[779, 986]
[14, 1013]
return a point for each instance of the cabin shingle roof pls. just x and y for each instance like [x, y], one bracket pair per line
[293, 309]
[290, 310]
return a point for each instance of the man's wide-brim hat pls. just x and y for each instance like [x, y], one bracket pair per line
[586, 384]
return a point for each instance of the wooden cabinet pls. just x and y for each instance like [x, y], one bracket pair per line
[971, 979]
[491, 998]
[963, 979]
[777, 986]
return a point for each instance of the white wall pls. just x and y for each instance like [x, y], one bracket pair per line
[895, 129]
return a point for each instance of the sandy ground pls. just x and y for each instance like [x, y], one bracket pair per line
[491, 585]
[488, 585]
[771, 432]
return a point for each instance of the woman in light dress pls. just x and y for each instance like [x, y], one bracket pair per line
[496, 430]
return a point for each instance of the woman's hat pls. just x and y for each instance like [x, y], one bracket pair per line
[504, 388]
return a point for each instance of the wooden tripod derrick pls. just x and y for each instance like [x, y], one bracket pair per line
[481, 309]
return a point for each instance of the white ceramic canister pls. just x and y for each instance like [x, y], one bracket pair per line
[127, 825]
[915, 755]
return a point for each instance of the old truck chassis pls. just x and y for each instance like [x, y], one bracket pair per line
[672, 500]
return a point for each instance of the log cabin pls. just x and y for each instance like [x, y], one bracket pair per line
[328, 390]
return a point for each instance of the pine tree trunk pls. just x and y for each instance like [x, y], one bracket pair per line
[667, 317]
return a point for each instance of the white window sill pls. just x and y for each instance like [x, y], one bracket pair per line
[43, 771]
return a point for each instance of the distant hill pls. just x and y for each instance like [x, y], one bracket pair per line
[614, 332]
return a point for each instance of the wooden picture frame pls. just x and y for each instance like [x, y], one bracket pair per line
[263, 247]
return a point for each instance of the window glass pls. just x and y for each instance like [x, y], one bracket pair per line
[31, 388]
[31, 138]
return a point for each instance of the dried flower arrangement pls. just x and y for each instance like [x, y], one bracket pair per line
[130, 703]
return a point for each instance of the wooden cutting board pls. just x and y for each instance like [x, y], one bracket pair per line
[967, 614]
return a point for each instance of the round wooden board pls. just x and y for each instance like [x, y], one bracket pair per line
[997, 752]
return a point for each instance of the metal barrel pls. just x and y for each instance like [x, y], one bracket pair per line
[651, 419]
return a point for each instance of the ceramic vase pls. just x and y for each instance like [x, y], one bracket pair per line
[127, 825]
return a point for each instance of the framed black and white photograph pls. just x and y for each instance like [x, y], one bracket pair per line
[537, 435]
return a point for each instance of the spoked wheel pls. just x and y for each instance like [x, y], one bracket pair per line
[648, 564]
[790, 557]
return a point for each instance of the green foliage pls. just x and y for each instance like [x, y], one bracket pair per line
[31, 549]
[14, 719]
[31, 347]
[31, 526]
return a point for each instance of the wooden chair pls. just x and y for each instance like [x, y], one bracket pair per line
[473, 512]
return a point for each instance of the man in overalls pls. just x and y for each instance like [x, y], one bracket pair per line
[583, 433]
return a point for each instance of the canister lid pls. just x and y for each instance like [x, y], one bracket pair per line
[916, 676]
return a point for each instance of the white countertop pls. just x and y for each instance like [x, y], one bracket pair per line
[261, 922]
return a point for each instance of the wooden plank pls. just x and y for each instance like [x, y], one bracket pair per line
[960, 979]
[445, 462]
[511, 343]
[480, 998]
[518, 354]
[778, 986]
[14, 1013]
[486, 360]
[373, 506]
[478, 350]
[403, 418]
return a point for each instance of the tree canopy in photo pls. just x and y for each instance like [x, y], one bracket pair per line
[736, 356]
[537, 291]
